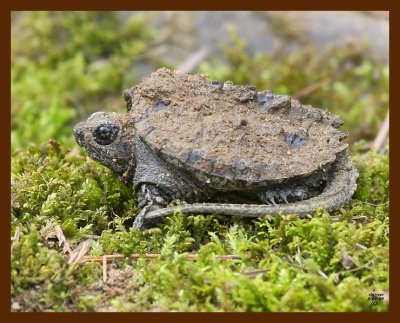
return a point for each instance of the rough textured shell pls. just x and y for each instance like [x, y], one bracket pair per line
[232, 132]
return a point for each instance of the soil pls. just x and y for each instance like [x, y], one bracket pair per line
[115, 286]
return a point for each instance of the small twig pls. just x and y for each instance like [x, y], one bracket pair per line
[359, 245]
[62, 240]
[358, 268]
[104, 268]
[355, 219]
[80, 251]
[311, 88]
[194, 60]
[374, 204]
[15, 238]
[382, 136]
[322, 274]
[91, 236]
[254, 273]
[109, 258]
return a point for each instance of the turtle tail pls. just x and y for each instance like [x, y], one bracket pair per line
[339, 190]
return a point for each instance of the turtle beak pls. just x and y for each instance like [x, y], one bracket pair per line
[78, 133]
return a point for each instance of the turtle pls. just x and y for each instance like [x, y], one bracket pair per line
[185, 137]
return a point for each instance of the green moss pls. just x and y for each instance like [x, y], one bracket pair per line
[66, 63]
[303, 258]
[328, 262]
[49, 182]
[373, 183]
[40, 271]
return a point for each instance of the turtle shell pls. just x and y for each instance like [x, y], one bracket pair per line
[220, 131]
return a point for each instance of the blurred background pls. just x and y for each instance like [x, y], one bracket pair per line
[65, 65]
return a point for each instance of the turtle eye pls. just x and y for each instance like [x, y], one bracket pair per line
[105, 134]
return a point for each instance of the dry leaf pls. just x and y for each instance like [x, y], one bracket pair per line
[80, 251]
[62, 241]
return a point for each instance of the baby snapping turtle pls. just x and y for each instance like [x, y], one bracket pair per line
[185, 137]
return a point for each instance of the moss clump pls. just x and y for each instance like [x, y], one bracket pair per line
[373, 182]
[315, 264]
[40, 277]
[67, 63]
[49, 182]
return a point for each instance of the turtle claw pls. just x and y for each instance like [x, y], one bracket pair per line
[285, 199]
[278, 196]
[150, 199]
[270, 196]
[139, 222]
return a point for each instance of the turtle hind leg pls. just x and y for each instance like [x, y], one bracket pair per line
[150, 199]
[284, 194]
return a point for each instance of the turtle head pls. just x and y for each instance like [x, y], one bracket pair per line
[108, 139]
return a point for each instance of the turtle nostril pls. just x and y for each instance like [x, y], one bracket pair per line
[78, 133]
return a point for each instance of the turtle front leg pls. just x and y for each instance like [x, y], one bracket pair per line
[150, 199]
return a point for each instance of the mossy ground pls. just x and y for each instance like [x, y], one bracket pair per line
[328, 262]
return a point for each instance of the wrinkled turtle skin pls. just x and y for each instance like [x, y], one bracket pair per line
[187, 138]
